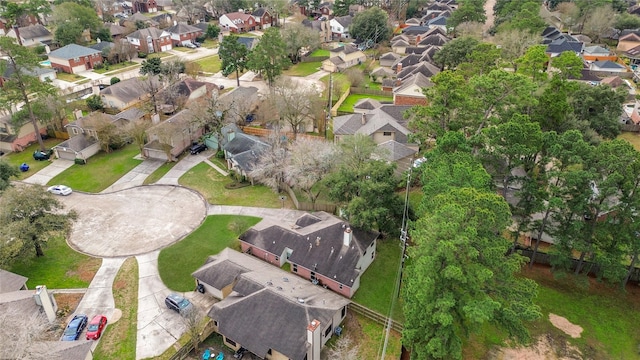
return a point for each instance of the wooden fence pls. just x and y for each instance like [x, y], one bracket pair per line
[267, 132]
[630, 127]
[313, 59]
[306, 205]
[375, 316]
[184, 351]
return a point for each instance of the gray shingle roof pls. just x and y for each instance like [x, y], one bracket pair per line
[127, 90]
[416, 79]
[345, 21]
[143, 33]
[11, 282]
[101, 45]
[72, 51]
[607, 64]
[425, 68]
[394, 151]
[76, 143]
[182, 28]
[33, 31]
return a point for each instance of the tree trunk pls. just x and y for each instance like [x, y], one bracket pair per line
[630, 271]
[581, 262]
[39, 252]
[25, 98]
[237, 76]
[540, 231]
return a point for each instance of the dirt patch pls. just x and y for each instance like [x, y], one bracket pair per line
[547, 347]
[565, 325]
[86, 270]
[67, 304]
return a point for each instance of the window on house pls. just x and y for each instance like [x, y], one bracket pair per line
[76, 59]
[344, 311]
[340, 286]
[373, 254]
[295, 268]
[387, 133]
[74, 131]
[277, 258]
[230, 342]
[328, 331]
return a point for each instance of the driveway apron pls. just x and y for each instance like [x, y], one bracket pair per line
[45, 175]
[136, 176]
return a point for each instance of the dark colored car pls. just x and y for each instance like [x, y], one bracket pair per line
[75, 327]
[197, 148]
[41, 155]
[95, 327]
[178, 303]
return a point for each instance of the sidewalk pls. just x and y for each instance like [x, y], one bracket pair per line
[136, 176]
[184, 165]
[45, 175]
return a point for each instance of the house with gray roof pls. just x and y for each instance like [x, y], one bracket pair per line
[608, 66]
[124, 94]
[81, 146]
[182, 34]
[150, 40]
[381, 124]
[410, 91]
[394, 152]
[320, 247]
[340, 26]
[10, 282]
[242, 152]
[74, 58]
[266, 310]
[170, 138]
[343, 57]
[31, 35]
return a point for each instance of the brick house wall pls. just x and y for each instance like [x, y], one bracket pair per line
[409, 100]
[67, 66]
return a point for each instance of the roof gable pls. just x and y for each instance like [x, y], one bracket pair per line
[72, 51]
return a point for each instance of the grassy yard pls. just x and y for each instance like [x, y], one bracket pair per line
[60, 268]
[210, 44]
[69, 77]
[631, 137]
[26, 156]
[115, 67]
[351, 100]
[369, 337]
[211, 184]
[101, 170]
[378, 283]
[159, 173]
[320, 52]
[183, 49]
[209, 64]
[159, 55]
[119, 338]
[177, 262]
[303, 68]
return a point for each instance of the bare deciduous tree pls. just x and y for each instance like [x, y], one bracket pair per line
[20, 331]
[309, 162]
[473, 29]
[138, 132]
[270, 168]
[514, 43]
[569, 14]
[108, 134]
[193, 322]
[296, 104]
[598, 21]
[344, 349]
[151, 86]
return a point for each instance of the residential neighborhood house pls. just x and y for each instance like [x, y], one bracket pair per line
[74, 58]
[237, 22]
[343, 57]
[32, 35]
[12, 139]
[150, 40]
[320, 247]
[266, 311]
[124, 94]
[170, 138]
[182, 33]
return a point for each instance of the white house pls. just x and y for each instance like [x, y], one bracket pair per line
[340, 26]
[31, 35]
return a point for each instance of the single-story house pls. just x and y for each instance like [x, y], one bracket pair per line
[183, 33]
[31, 35]
[389, 59]
[628, 41]
[124, 94]
[266, 311]
[343, 57]
[597, 53]
[42, 73]
[382, 124]
[410, 91]
[607, 66]
[10, 282]
[15, 140]
[74, 58]
[320, 247]
[401, 154]
[170, 138]
[150, 40]
[242, 152]
[77, 147]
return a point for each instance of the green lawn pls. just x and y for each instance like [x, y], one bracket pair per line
[211, 184]
[210, 44]
[26, 156]
[60, 268]
[177, 262]
[183, 49]
[159, 55]
[632, 137]
[378, 283]
[351, 100]
[159, 173]
[101, 170]
[69, 77]
[114, 67]
[303, 68]
[320, 52]
[209, 64]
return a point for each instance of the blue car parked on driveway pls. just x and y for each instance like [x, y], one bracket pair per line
[75, 327]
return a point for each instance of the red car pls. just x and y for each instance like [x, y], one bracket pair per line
[95, 327]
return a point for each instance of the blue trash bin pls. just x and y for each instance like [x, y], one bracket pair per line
[24, 167]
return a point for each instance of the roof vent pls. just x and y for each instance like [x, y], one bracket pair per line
[279, 288]
[301, 300]
[285, 279]
[318, 241]
[269, 283]
[332, 250]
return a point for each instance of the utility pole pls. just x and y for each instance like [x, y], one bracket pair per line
[329, 105]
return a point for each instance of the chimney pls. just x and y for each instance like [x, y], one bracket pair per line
[155, 119]
[346, 240]
[77, 114]
[418, 39]
[48, 303]
[398, 68]
[364, 119]
[318, 241]
[314, 339]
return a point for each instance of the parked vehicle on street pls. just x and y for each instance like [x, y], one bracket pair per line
[75, 327]
[197, 148]
[60, 190]
[178, 304]
[95, 327]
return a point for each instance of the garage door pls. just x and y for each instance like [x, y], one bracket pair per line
[266, 26]
[79, 68]
[66, 155]
[165, 47]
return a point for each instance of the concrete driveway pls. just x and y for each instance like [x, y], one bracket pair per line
[133, 221]
[45, 175]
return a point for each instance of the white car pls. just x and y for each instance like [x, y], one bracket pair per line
[60, 190]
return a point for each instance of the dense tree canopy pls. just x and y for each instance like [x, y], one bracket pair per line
[269, 57]
[371, 24]
[233, 55]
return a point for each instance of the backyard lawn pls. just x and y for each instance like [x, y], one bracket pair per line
[159, 55]
[303, 68]
[378, 283]
[101, 170]
[60, 268]
[351, 100]
[211, 184]
[177, 262]
[26, 156]
[209, 64]
[69, 77]
[210, 44]
[320, 52]
[632, 137]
